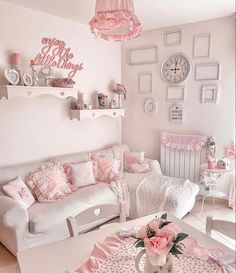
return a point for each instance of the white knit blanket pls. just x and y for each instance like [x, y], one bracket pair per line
[151, 192]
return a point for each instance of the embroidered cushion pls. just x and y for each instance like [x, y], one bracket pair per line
[139, 168]
[82, 174]
[132, 158]
[49, 182]
[17, 189]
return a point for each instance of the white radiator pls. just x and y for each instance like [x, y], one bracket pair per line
[181, 163]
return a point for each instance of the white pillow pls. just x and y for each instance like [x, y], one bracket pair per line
[18, 190]
[82, 174]
[132, 158]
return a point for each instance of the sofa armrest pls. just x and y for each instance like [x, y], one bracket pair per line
[13, 214]
[154, 165]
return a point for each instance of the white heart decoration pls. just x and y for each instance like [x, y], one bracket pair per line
[97, 211]
[46, 71]
[12, 76]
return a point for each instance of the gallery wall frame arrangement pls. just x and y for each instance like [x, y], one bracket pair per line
[143, 55]
[173, 37]
[202, 45]
[145, 82]
[175, 93]
[150, 106]
[210, 93]
[207, 71]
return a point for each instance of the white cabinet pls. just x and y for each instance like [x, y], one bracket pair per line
[12, 91]
[96, 113]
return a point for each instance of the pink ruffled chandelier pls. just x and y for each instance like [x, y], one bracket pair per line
[115, 20]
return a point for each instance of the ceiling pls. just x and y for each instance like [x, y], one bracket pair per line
[152, 13]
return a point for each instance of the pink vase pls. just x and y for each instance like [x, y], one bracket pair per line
[210, 165]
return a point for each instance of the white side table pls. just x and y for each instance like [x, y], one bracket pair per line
[209, 179]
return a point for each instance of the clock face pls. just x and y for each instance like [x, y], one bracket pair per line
[176, 68]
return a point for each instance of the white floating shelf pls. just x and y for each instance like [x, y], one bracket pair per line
[12, 91]
[96, 113]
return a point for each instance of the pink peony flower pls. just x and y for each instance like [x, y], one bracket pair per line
[172, 228]
[160, 244]
[154, 225]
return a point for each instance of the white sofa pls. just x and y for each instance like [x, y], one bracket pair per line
[46, 222]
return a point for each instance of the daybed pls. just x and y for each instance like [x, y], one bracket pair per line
[46, 222]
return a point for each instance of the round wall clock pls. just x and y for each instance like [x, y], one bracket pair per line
[176, 68]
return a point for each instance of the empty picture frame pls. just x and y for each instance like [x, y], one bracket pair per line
[210, 93]
[202, 45]
[173, 37]
[150, 106]
[207, 71]
[175, 93]
[145, 82]
[145, 55]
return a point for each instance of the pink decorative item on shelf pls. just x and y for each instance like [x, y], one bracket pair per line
[102, 100]
[16, 59]
[120, 90]
[115, 20]
[63, 82]
[210, 165]
[55, 54]
[160, 239]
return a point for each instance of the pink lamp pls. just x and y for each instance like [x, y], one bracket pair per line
[115, 20]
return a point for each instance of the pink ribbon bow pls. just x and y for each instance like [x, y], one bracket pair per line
[225, 261]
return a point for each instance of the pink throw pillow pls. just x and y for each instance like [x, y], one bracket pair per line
[17, 190]
[105, 169]
[49, 182]
[132, 158]
[139, 168]
[109, 170]
[81, 174]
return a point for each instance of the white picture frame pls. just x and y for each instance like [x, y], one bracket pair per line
[210, 93]
[202, 45]
[173, 37]
[145, 82]
[143, 55]
[176, 113]
[150, 106]
[207, 71]
[175, 93]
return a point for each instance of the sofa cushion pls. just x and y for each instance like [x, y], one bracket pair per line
[49, 182]
[43, 216]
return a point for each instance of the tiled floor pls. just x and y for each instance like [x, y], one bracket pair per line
[220, 211]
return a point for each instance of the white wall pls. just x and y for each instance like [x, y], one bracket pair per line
[141, 132]
[33, 129]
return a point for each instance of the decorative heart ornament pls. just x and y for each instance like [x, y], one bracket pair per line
[97, 211]
[12, 76]
[46, 71]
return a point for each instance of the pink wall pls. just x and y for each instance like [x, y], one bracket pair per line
[141, 131]
[38, 128]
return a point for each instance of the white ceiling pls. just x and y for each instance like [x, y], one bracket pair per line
[151, 13]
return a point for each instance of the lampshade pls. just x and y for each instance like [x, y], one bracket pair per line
[115, 20]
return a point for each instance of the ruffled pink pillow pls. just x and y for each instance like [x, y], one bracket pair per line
[49, 182]
[17, 190]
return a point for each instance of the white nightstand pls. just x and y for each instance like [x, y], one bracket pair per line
[209, 179]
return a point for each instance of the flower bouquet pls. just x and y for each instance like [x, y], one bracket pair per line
[102, 99]
[160, 239]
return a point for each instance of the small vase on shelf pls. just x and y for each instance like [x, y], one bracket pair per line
[34, 74]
